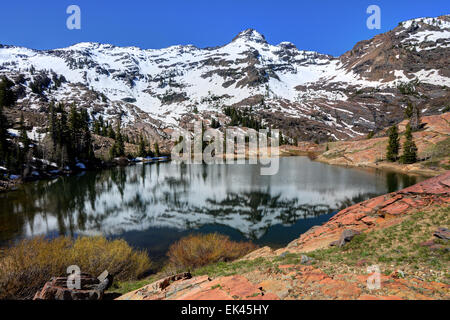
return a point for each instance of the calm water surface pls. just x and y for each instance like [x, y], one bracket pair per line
[151, 206]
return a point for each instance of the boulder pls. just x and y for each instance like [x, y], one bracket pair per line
[442, 233]
[91, 288]
[346, 236]
[306, 260]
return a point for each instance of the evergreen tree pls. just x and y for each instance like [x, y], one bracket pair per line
[52, 122]
[70, 134]
[415, 119]
[63, 131]
[97, 127]
[23, 135]
[142, 151]
[111, 134]
[119, 141]
[87, 150]
[393, 144]
[4, 145]
[215, 123]
[74, 132]
[118, 148]
[409, 147]
[7, 97]
[409, 110]
[156, 146]
[104, 131]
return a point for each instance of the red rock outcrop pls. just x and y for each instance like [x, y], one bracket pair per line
[369, 152]
[376, 212]
[91, 288]
[201, 288]
[291, 282]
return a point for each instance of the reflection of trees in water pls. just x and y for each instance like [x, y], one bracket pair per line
[64, 199]
[393, 181]
[70, 199]
[255, 205]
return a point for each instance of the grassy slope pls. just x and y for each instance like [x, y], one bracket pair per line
[394, 248]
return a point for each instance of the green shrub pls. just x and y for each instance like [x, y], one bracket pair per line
[26, 266]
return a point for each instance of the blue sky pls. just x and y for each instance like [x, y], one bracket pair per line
[327, 26]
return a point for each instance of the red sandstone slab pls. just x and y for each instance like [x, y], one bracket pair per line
[396, 208]
[214, 294]
[370, 297]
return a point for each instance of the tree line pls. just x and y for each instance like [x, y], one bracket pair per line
[69, 138]
[409, 154]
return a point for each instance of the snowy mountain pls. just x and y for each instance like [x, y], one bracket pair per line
[306, 94]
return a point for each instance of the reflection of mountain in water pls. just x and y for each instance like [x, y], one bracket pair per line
[188, 197]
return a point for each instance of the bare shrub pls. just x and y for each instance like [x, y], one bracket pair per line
[199, 250]
[25, 267]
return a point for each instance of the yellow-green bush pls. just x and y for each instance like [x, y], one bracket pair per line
[26, 266]
[199, 250]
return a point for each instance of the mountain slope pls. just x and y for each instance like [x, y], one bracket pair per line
[306, 94]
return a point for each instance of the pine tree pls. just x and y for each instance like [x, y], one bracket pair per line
[119, 141]
[7, 97]
[393, 144]
[409, 110]
[142, 152]
[63, 131]
[74, 132]
[118, 148]
[23, 135]
[111, 134]
[97, 127]
[156, 146]
[87, 150]
[415, 119]
[409, 147]
[4, 145]
[52, 126]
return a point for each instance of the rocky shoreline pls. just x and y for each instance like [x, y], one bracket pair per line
[7, 185]
[292, 273]
[370, 153]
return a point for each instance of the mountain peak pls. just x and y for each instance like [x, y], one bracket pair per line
[250, 35]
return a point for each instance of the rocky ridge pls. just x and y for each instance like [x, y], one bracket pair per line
[308, 95]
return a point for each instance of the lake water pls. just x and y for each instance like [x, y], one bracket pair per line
[153, 205]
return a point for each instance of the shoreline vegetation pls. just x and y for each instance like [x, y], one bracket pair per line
[432, 139]
[407, 247]
[412, 261]
[27, 265]
[71, 140]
